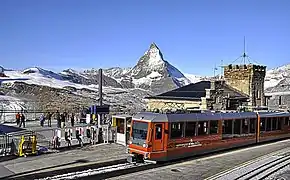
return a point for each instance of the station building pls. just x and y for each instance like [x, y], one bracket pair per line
[240, 86]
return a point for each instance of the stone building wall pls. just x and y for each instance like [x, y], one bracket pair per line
[249, 79]
[163, 104]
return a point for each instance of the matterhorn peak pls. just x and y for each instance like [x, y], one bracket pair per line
[153, 45]
[153, 56]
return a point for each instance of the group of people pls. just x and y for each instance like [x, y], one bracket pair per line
[63, 118]
[47, 117]
[20, 119]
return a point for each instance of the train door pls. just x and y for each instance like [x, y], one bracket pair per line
[158, 137]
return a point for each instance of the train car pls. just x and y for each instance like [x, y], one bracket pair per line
[164, 137]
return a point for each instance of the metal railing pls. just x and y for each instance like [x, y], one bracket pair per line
[6, 145]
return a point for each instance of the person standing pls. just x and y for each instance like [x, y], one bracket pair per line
[48, 117]
[57, 117]
[41, 120]
[62, 120]
[18, 118]
[72, 119]
[22, 120]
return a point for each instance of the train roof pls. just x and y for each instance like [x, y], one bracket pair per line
[273, 114]
[207, 116]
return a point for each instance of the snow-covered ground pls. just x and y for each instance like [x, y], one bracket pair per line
[8, 103]
[193, 78]
[43, 77]
[38, 76]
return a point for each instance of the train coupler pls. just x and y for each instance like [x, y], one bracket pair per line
[133, 158]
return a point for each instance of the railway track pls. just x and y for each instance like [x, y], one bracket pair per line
[261, 169]
[117, 168]
[102, 172]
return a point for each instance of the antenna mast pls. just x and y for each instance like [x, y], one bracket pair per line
[221, 70]
[244, 54]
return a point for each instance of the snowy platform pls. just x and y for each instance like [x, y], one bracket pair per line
[57, 161]
[205, 167]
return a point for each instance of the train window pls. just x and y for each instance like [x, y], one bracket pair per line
[213, 127]
[158, 131]
[263, 124]
[190, 129]
[176, 130]
[287, 121]
[227, 126]
[245, 126]
[202, 128]
[274, 123]
[252, 125]
[237, 126]
[280, 120]
[268, 124]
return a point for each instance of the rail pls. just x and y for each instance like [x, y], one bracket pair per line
[260, 169]
[97, 171]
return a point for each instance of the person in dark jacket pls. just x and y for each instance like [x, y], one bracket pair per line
[57, 117]
[62, 120]
[72, 119]
[22, 120]
[18, 118]
[48, 117]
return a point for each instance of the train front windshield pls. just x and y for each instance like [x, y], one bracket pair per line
[139, 132]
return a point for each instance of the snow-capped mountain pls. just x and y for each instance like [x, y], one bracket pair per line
[277, 75]
[153, 72]
[278, 80]
[124, 88]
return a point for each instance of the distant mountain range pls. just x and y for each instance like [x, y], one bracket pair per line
[124, 87]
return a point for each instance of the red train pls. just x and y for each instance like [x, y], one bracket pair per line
[165, 137]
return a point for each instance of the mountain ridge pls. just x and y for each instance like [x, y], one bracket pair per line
[124, 88]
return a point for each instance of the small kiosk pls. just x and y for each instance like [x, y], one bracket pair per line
[123, 124]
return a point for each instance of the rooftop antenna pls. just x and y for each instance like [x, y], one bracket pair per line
[221, 76]
[244, 56]
[215, 68]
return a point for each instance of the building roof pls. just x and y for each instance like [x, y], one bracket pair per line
[207, 116]
[189, 92]
[196, 91]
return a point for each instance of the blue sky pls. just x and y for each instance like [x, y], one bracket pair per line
[192, 34]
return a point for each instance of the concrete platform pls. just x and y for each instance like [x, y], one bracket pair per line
[203, 168]
[57, 161]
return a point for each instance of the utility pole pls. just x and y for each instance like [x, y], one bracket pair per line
[100, 116]
[100, 87]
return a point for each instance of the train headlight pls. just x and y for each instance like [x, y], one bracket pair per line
[130, 140]
[145, 145]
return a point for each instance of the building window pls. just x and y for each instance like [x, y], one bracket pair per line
[190, 129]
[176, 130]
